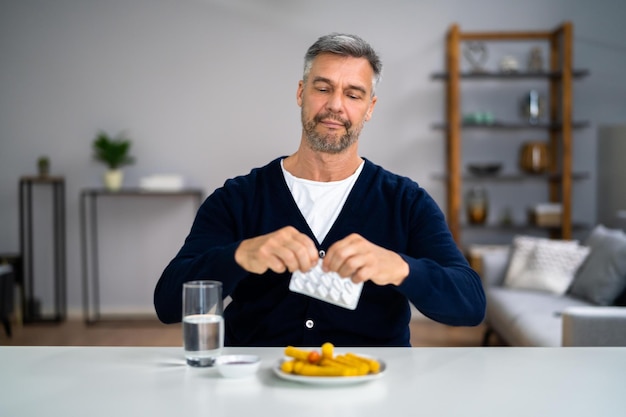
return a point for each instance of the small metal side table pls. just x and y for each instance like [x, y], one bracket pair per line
[89, 238]
[31, 308]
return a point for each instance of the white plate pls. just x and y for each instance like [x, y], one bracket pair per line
[329, 380]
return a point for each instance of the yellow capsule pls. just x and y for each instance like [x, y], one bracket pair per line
[296, 353]
[373, 363]
[349, 370]
[361, 368]
[287, 366]
[307, 369]
[328, 350]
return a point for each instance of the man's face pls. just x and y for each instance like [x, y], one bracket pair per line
[336, 100]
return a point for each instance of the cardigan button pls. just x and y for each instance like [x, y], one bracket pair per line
[309, 324]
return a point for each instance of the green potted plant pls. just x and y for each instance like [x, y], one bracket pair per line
[43, 166]
[114, 153]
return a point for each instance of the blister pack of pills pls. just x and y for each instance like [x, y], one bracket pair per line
[326, 286]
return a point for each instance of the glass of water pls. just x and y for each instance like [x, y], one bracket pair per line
[203, 323]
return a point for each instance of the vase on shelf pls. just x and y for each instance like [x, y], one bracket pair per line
[533, 107]
[113, 179]
[534, 157]
[477, 205]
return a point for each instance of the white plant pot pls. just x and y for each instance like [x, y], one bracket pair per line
[113, 179]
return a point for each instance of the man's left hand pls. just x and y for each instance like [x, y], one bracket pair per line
[361, 260]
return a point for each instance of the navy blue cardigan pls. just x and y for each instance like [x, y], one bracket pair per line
[388, 210]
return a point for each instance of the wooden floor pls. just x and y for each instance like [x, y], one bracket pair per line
[424, 332]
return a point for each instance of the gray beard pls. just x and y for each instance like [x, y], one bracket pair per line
[328, 143]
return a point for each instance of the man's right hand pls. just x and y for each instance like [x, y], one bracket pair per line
[279, 251]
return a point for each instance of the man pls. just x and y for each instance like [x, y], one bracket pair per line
[326, 201]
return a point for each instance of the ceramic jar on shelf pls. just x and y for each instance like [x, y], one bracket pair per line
[534, 157]
[477, 205]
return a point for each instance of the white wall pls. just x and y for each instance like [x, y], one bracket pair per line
[206, 88]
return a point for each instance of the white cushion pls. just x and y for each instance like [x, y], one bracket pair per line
[543, 264]
[521, 249]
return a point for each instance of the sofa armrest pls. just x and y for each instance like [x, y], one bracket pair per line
[594, 326]
[493, 264]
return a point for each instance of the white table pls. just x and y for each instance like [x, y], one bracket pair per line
[122, 381]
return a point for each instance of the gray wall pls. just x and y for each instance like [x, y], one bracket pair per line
[611, 172]
[206, 88]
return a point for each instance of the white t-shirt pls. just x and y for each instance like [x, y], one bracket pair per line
[320, 202]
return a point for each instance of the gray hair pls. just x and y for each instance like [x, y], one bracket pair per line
[346, 45]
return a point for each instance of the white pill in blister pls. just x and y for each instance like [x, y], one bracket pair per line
[329, 287]
[326, 280]
[346, 297]
[315, 276]
[322, 291]
[297, 281]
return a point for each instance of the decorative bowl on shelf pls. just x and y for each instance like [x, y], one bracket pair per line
[484, 169]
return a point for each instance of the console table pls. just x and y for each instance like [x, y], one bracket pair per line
[31, 308]
[89, 237]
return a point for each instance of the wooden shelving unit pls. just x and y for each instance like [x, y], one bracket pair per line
[559, 127]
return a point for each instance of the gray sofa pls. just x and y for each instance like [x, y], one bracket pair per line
[524, 317]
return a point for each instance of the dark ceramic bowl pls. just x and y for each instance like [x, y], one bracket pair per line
[484, 169]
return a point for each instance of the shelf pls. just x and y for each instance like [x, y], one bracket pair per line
[138, 192]
[89, 243]
[36, 292]
[579, 73]
[558, 122]
[518, 227]
[513, 126]
[576, 176]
